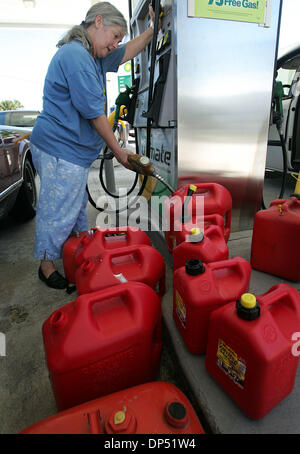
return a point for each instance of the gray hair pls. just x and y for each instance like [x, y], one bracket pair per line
[110, 16]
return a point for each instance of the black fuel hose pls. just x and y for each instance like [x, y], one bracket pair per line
[285, 169]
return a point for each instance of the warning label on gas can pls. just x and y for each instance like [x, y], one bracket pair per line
[180, 308]
[231, 363]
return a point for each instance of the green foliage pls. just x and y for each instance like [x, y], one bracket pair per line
[10, 105]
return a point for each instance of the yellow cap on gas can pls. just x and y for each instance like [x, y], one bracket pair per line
[193, 187]
[119, 417]
[248, 300]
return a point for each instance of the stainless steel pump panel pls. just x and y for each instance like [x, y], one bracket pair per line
[215, 101]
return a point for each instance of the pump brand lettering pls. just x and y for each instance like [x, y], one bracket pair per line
[160, 155]
[236, 3]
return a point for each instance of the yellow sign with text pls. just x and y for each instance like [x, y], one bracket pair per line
[235, 10]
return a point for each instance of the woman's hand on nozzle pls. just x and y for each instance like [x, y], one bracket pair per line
[121, 157]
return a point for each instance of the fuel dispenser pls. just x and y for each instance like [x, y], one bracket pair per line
[210, 76]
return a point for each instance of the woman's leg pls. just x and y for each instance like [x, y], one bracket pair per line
[62, 194]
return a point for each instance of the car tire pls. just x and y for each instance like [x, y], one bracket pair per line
[25, 206]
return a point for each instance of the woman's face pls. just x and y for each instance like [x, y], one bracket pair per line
[106, 39]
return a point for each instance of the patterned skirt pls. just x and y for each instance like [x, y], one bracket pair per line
[62, 203]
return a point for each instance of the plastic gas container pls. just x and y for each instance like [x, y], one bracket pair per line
[186, 202]
[250, 348]
[181, 231]
[133, 263]
[103, 342]
[68, 255]
[199, 289]
[275, 241]
[209, 246]
[99, 240]
[151, 408]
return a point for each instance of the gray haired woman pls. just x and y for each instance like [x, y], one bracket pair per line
[73, 126]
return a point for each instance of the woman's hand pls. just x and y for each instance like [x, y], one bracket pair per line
[136, 45]
[121, 157]
[152, 16]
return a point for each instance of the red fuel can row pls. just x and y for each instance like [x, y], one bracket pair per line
[250, 351]
[103, 342]
[78, 249]
[209, 246]
[185, 203]
[140, 263]
[151, 408]
[275, 245]
[199, 289]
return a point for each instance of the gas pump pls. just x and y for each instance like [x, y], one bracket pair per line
[203, 97]
[155, 115]
[212, 92]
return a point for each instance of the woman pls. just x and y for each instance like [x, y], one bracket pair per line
[73, 126]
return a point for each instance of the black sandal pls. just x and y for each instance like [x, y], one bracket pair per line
[55, 280]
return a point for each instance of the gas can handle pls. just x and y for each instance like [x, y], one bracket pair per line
[129, 250]
[235, 263]
[215, 230]
[97, 297]
[293, 202]
[278, 202]
[280, 291]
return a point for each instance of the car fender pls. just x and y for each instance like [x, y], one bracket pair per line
[25, 153]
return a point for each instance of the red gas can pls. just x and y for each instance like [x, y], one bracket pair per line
[198, 289]
[68, 255]
[151, 408]
[216, 199]
[103, 342]
[250, 348]
[133, 263]
[209, 246]
[275, 242]
[182, 231]
[100, 240]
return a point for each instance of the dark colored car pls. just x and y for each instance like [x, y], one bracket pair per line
[18, 193]
[19, 118]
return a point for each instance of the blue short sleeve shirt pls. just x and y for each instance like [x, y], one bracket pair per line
[74, 93]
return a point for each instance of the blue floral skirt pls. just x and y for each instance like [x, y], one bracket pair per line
[62, 203]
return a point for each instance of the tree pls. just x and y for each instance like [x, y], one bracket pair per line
[10, 105]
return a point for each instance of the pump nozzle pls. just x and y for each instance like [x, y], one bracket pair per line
[122, 100]
[144, 166]
[277, 104]
[141, 164]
